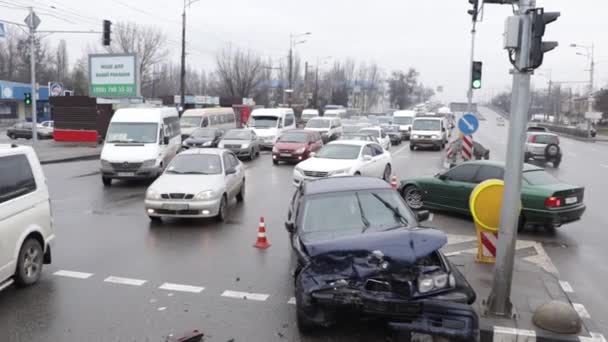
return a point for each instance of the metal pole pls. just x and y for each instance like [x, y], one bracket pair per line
[499, 302]
[590, 100]
[182, 81]
[33, 78]
[316, 96]
[470, 86]
[290, 72]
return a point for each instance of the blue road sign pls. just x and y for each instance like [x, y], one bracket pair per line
[2, 30]
[468, 124]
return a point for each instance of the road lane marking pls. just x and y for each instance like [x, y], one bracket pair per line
[125, 281]
[604, 165]
[566, 286]
[506, 334]
[581, 310]
[162, 308]
[181, 288]
[595, 337]
[245, 295]
[400, 150]
[73, 274]
[292, 301]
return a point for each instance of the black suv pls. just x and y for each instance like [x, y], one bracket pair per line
[361, 250]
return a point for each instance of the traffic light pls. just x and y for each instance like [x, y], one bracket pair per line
[540, 19]
[27, 99]
[475, 10]
[107, 39]
[476, 75]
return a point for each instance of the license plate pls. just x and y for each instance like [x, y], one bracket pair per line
[285, 154]
[175, 206]
[571, 200]
[126, 174]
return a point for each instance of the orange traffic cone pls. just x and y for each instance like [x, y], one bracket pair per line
[262, 242]
[394, 183]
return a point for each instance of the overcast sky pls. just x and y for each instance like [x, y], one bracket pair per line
[432, 36]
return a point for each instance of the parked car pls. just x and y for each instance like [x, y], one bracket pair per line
[203, 137]
[296, 145]
[330, 128]
[24, 130]
[379, 134]
[583, 127]
[26, 224]
[546, 201]
[197, 183]
[361, 251]
[308, 114]
[543, 147]
[359, 136]
[47, 128]
[346, 158]
[242, 142]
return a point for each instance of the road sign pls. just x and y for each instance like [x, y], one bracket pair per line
[2, 30]
[467, 147]
[593, 115]
[55, 89]
[32, 20]
[468, 124]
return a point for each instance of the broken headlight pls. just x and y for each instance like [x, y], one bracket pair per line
[434, 281]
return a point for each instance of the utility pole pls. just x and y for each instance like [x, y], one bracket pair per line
[182, 79]
[591, 79]
[306, 81]
[290, 66]
[316, 93]
[32, 25]
[499, 302]
[470, 92]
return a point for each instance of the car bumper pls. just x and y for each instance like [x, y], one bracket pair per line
[394, 138]
[426, 142]
[289, 157]
[241, 152]
[556, 217]
[542, 156]
[165, 208]
[405, 134]
[141, 173]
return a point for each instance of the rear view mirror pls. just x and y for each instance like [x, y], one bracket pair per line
[290, 227]
[423, 215]
[230, 171]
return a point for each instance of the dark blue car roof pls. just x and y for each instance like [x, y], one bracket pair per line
[338, 184]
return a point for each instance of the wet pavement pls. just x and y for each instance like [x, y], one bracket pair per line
[139, 281]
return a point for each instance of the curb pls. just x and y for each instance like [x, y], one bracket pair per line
[70, 159]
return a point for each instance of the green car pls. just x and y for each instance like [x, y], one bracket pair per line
[546, 200]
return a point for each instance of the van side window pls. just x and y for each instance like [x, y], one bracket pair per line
[172, 127]
[205, 122]
[17, 178]
[213, 120]
[289, 120]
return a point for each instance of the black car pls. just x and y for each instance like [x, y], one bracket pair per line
[203, 137]
[393, 133]
[361, 250]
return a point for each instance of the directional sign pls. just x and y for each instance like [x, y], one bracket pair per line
[32, 20]
[468, 124]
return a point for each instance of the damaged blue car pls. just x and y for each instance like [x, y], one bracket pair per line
[361, 251]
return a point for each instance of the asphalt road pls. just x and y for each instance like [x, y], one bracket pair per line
[198, 274]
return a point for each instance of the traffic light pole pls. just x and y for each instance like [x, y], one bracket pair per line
[499, 302]
[470, 92]
[33, 78]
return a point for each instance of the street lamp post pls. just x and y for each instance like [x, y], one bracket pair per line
[590, 54]
[292, 44]
[320, 61]
[182, 80]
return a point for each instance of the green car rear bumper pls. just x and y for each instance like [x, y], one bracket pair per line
[554, 217]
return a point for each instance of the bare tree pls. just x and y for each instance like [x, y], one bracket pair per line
[79, 80]
[401, 87]
[238, 73]
[61, 62]
[9, 54]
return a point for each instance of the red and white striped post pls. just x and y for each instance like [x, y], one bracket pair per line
[467, 147]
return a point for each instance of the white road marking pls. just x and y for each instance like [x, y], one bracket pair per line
[452, 254]
[73, 274]
[124, 281]
[181, 288]
[431, 217]
[595, 337]
[400, 150]
[581, 310]
[508, 334]
[292, 301]
[566, 286]
[162, 308]
[245, 295]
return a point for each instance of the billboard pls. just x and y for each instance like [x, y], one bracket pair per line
[113, 75]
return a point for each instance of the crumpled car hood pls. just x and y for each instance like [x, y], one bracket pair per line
[403, 246]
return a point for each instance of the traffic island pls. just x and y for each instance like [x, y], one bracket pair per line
[532, 289]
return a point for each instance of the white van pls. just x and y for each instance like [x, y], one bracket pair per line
[335, 113]
[308, 114]
[269, 123]
[219, 117]
[329, 128]
[404, 118]
[428, 132]
[26, 224]
[139, 144]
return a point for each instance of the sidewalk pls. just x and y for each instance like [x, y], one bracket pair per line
[532, 287]
[51, 152]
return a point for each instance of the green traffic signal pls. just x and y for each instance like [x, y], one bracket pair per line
[476, 75]
[476, 84]
[27, 99]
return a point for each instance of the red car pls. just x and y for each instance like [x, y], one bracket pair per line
[295, 146]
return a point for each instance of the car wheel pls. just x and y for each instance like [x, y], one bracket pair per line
[251, 154]
[552, 151]
[257, 152]
[357, 173]
[29, 264]
[106, 181]
[240, 197]
[412, 147]
[221, 213]
[413, 197]
[11, 136]
[387, 173]
[305, 325]
[155, 219]
[521, 223]
[275, 162]
[556, 163]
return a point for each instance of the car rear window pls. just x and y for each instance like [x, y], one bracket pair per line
[539, 177]
[17, 178]
[545, 139]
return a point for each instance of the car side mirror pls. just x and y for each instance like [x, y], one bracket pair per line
[442, 176]
[367, 157]
[166, 140]
[230, 171]
[423, 215]
[289, 226]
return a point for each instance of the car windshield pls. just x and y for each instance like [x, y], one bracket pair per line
[374, 133]
[361, 137]
[539, 177]
[339, 151]
[238, 134]
[403, 120]
[195, 164]
[309, 115]
[263, 121]
[295, 137]
[132, 132]
[203, 133]
[353, 212]
[190, 121]
[426, 125]
[318, 123]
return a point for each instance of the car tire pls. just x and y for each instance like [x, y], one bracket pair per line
[305, 325]
[106, 181]
[556, 163]
[155, 219]
[240, 197]
[251, 154]
[275, 162]
[552, 151]
[257, 152]
[386, 175]
[29, 263]
[521, 223]
[11, 136]
[221, 213]
[413, 197]
[412, 147]
[357, 174]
